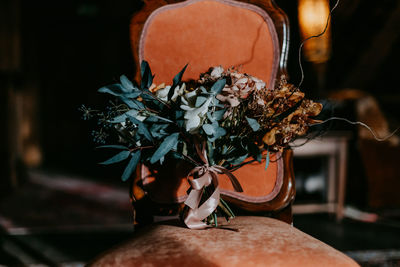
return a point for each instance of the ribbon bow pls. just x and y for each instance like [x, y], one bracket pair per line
[206, 175]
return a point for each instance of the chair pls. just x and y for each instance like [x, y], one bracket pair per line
[204, 33]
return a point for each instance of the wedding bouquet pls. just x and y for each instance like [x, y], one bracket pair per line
[220, 122]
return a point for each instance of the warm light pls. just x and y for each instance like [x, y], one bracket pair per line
[313, 15]
[32, 156]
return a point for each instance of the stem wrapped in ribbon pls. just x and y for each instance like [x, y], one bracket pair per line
[200, 178]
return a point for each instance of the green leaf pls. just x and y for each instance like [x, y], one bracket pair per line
[127, 85]
[200, 100]
[117, 158]
[267, 161]
[142, 128]
[218, 86]
[112, 89]
[122, 117]
[133, 103]
[157, 130]
[169, 143]
[253, 124]
[131, 165]
[219, 114]
[214, 131]
[147, 76]
[239, 160]
[175, 82]
[208, 129]
[160, 118]
[114, 146]
[178, 78]
[133, 94]
[143, 66]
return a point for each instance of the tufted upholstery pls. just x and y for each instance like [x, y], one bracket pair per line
[245, 241]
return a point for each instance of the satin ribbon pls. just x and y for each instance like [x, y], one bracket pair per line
[206, 175]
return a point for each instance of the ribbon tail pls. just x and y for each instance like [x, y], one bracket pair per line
[194, 218]
[194, 198]
[191, 220]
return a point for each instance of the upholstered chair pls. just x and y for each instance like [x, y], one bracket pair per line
[253, 36]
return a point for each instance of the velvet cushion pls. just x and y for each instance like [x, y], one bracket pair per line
[245, 241]
[210, 33]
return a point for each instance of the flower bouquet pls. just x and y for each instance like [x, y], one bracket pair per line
[221, 122]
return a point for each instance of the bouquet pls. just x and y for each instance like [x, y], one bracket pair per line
[224, 120]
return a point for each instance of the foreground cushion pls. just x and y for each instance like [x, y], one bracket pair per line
[245, 241]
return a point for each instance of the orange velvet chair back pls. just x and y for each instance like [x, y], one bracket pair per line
[252, 36]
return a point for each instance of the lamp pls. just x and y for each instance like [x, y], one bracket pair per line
[313, 15]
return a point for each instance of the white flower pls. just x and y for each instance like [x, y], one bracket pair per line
[259, 83]
[163, 93]
[217, 72]
[179, 90]
[194, 115]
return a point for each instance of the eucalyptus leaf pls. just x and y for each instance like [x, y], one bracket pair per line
[267, 161]
[133, 103]
[161, 118]
[117, 158]
[218, 86]
[127, 85]
[200, 100]
[216, 115]
[239, 160]
[135, 157]
[169, 143]
[147, 76]
[179, 114]
[219, 114]
[214, 131]
[203, 90]
[142, 128]
[178, 78]
[175, 82]
[133, 94]
[112, 89]
[219, 132]
[131, 113]
[208, 129]
[157, 130]
[253, 124]
[143, 66]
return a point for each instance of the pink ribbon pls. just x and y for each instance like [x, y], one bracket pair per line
[205, 176]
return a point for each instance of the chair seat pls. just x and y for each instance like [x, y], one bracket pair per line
[245, 241]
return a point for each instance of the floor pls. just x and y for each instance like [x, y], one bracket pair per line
[57, 220]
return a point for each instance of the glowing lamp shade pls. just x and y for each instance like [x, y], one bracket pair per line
[312, 20]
